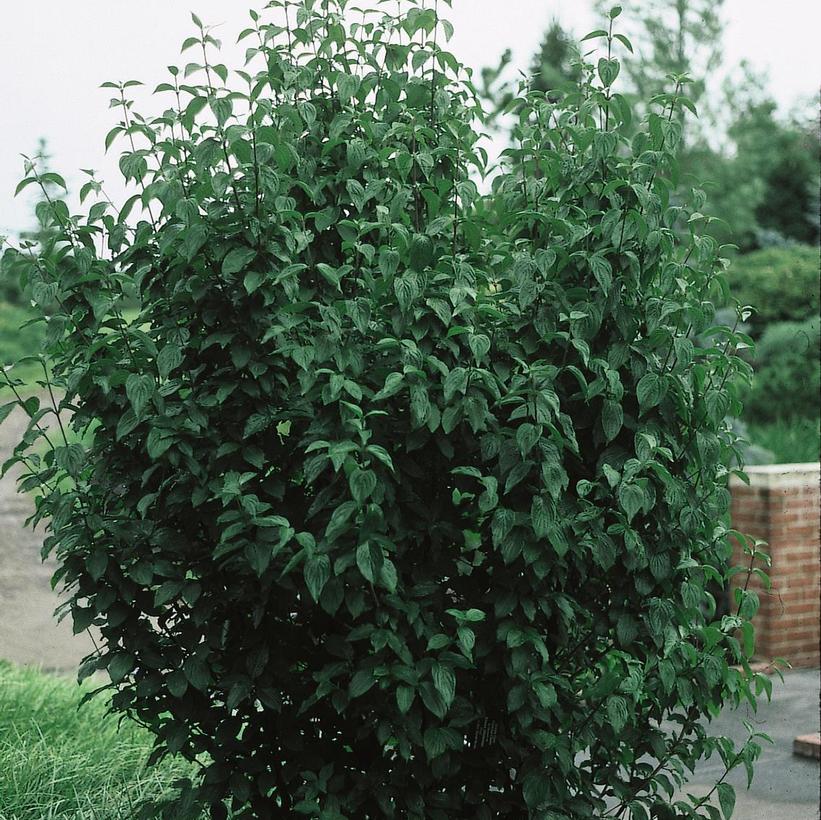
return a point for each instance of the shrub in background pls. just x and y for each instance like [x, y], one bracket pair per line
[396, 501]
[787, 380]
[796, 441]
[781, 283]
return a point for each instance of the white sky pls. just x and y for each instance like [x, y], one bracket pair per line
[54, 55]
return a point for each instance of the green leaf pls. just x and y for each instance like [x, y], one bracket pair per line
[438, 641]
[317, 571]
[158, 442]
[360, 683]
[70, 458]
[407, 289]
[546, 693]
[599, 32]
[96, 564]
[726, 799]
[388, 576]
[331, 275]
[369, 560]
[419, 403]
[558, 540]
[526, 437]
[253, 279]
[6, 409]
[393, 384]
[433, 700]
[340, 518]
[435, 741]
[222, 108]
[405, 696]
[420, 252]
[455, 382]
[541, 516]
[197, 673]
[120, 665]
[82, 618]
[617, 712]
[444, 679]
[650, 390]
[503, 520]
[169, 359]
[237, 260]
[347, 86]
[139, 389]
[467, 640]
[362, 483]
[608, 70]
[356, 192]
[624, 41]
[388, 262]
[612, 419]
[536, 789]
[24, 184]
[631, 499]
[380, 454]
[479, 346]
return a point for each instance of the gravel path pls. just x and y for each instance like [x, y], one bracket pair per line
[29, 634]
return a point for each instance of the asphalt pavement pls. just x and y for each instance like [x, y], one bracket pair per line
[785, 786]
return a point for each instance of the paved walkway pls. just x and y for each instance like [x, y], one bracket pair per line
[28, 632]
[785, 787]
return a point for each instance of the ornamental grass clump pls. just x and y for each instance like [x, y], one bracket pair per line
[395, 500]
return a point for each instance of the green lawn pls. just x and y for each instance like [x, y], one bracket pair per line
[58, 762]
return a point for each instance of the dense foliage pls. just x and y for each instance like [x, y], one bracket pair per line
[396, 501]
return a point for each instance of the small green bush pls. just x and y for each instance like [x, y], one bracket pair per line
[400, 502]
[781, 283]
[787, 380]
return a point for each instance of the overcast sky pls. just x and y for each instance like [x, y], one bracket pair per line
[54, 55]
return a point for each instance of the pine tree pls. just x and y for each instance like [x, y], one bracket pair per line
[554, 67]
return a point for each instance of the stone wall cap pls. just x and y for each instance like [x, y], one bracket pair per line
[769, 475]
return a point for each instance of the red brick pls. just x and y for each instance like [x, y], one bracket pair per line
[788, 622]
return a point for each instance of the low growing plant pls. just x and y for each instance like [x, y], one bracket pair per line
[401, 501]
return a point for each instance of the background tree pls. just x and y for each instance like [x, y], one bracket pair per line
[35, 239]
[555, 66]
[672, 37]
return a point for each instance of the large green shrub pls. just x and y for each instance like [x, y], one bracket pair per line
[787, 381]
[400, 502]
[781, 283]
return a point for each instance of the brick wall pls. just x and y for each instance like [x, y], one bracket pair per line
[782, 507]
